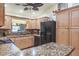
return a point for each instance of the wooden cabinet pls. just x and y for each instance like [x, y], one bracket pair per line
[74, 39]
[62, 19]
[7, 23]
[23, 42]
[37, 26]
[62, 28]
[28, 24]
[33, 24]
[62, 36]
[75, 18]
[1, 14]
[70, 35]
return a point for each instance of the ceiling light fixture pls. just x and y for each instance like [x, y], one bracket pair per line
[35, 6]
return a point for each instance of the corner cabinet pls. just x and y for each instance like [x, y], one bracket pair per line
[1, 14]
[67, 28]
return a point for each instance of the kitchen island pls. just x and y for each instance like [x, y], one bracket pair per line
[49, 49]
[9, 49]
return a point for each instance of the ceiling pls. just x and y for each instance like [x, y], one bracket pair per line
[18, 10]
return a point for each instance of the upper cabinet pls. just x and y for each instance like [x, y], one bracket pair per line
[62, 19]
[36, 24]
[75, 18]
[1, 14]
[28, 24]
[33, 24]
[7, 23]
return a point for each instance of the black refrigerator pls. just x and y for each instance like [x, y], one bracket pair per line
[48, 32]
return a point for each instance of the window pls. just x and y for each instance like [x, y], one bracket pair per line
[18, 26]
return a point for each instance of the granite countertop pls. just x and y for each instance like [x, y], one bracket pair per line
[9, 50]
[16, 36]
[49, 49]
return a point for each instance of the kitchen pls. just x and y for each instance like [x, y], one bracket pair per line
[37, 29]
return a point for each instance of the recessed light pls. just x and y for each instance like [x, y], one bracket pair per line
[21, 11]
[33, 13]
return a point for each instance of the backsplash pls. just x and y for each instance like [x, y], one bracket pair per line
[4, 32]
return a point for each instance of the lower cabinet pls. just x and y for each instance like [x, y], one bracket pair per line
[62, 36]
[23, 42]
[74, 40]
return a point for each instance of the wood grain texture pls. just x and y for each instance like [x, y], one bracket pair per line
[23, 42]
[74, 39]
[62, 19]
[1, 14]
[62, 36]
[74, 18]
[70, 35]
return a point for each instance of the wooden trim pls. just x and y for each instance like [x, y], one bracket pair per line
[67, 9]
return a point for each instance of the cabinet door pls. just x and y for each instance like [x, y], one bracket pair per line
[28, 24]
[37, 24]
[62, 19]
[7, 22]
[33, 24]
[74, 40]
[1, 14]
[75, 18]
[23, 42]
[62, 36]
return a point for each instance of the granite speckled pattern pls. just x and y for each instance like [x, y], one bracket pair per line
[49, 49]
[9, 50]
